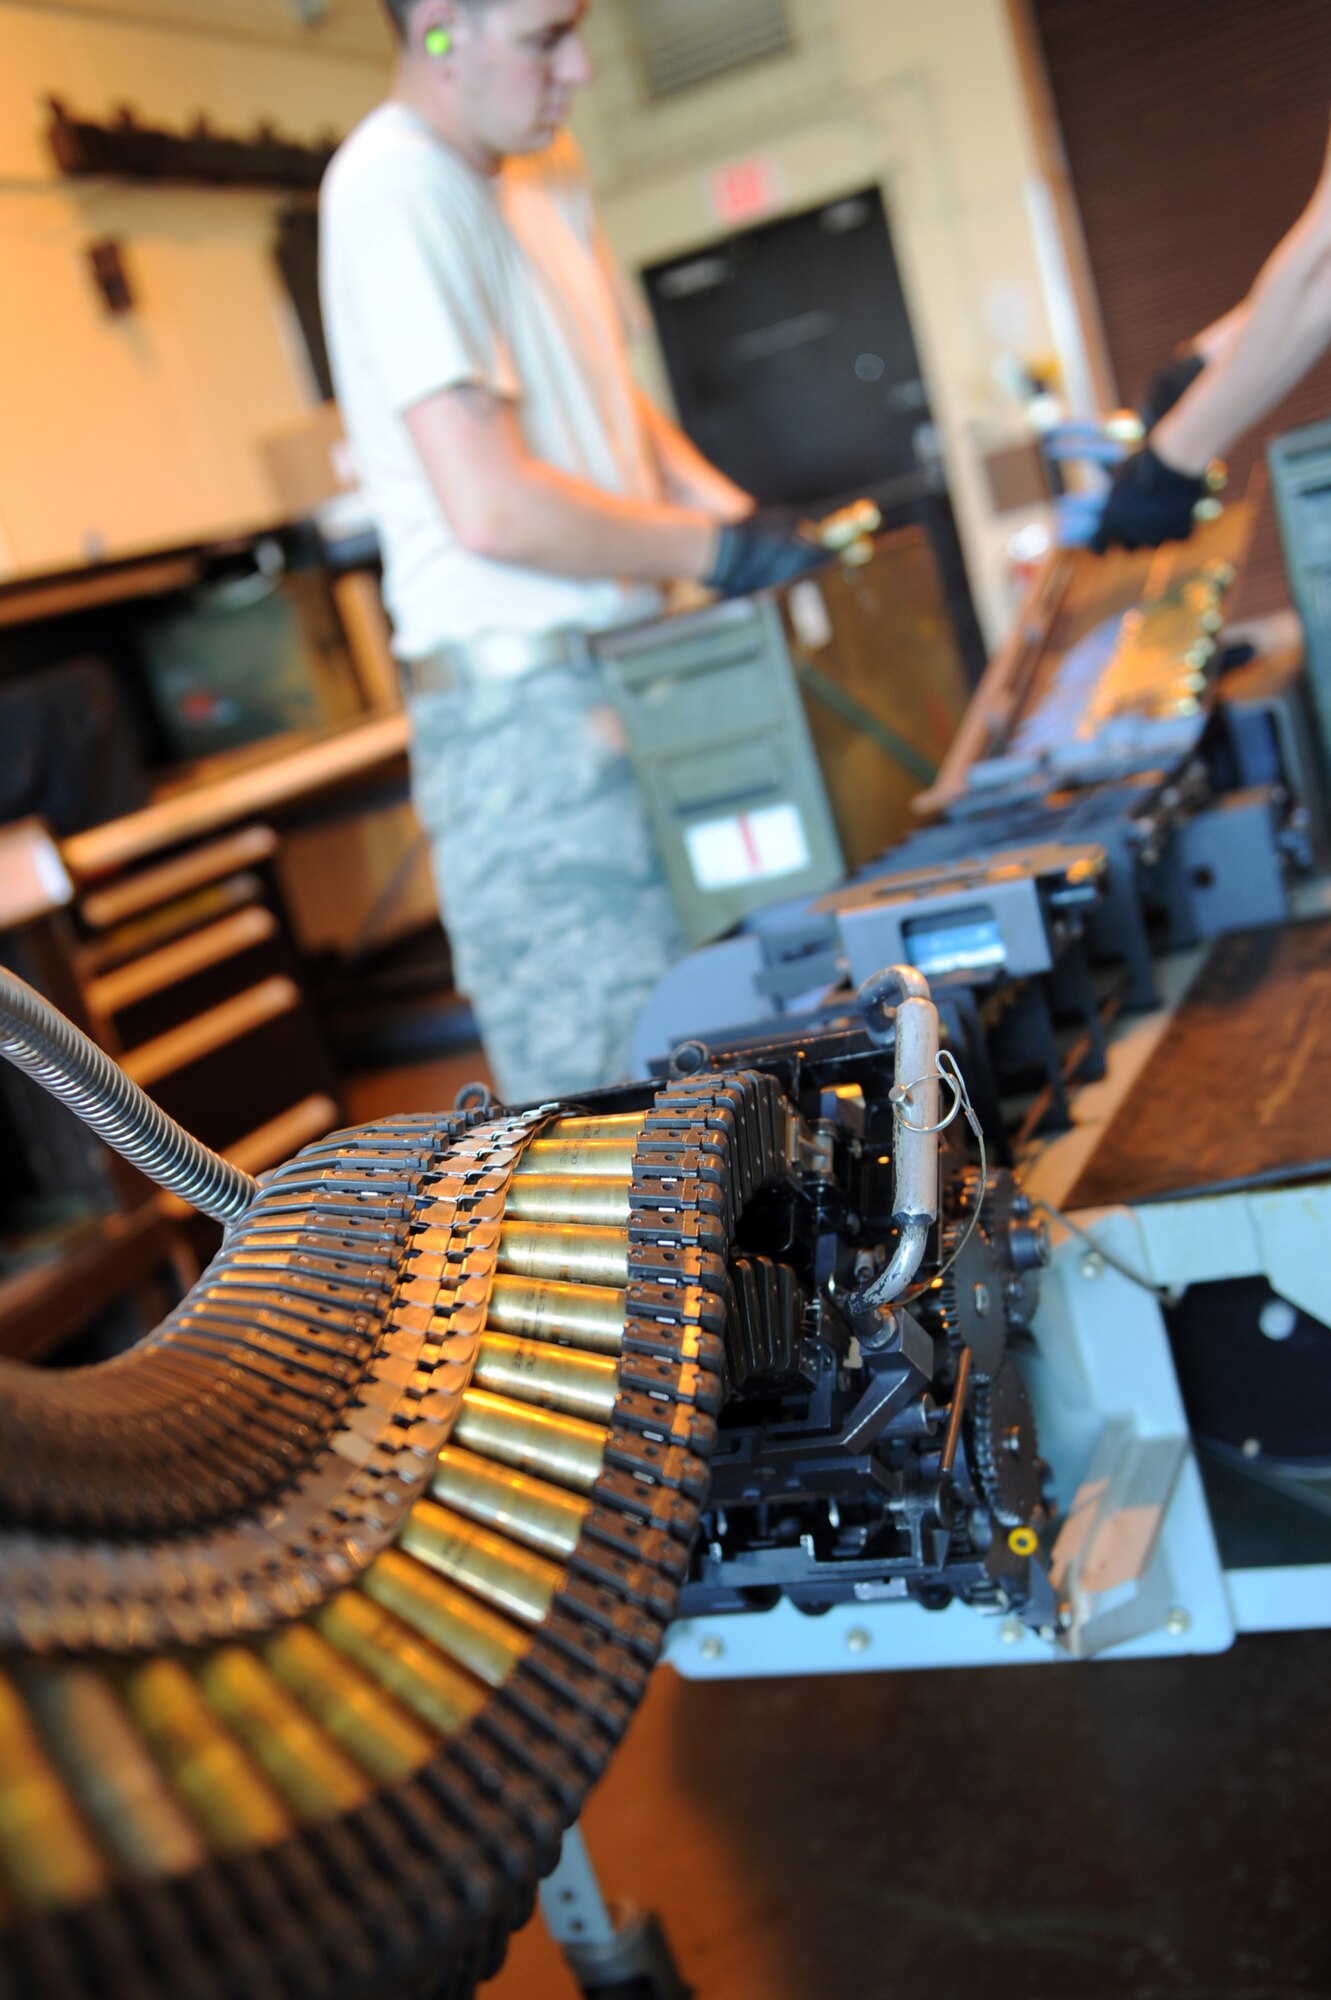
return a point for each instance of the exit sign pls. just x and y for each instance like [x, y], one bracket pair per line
[745, 190]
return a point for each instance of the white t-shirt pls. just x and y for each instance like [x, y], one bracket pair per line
[433, 275]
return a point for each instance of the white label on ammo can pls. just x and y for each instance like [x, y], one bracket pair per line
[747, 847]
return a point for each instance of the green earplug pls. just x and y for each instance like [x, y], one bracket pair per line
[438, 41]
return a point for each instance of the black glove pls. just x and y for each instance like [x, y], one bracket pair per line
[1147, 503]
[765, 548]
[1168, 384]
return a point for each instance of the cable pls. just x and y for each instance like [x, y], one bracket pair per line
[37, 1038]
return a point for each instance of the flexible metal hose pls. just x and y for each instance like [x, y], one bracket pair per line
[38, 1038]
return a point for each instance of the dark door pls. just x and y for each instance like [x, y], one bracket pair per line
[791, 355]
[794, 368]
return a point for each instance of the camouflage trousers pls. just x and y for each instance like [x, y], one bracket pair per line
[548, 878]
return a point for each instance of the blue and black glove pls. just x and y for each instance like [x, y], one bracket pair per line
[1148, 503]
[770, 546]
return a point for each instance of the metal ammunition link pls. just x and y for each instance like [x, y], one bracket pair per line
[706, 1148]
[338, 1460]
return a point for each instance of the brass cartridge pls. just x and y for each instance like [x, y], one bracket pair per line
[108, 1767]
[512, 1579]
[530, 1510]
[315, 1777]
[564, 1449]
[370, 1726]
[583, 1385]
[610, 1125]
[582, 1158]
[590, 1316]
[47, 1855]
[584, 1255]
[478, 1639]
[400, 1660]
[224, 1790]
[550, 1197]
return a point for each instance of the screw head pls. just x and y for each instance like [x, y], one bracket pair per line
[857, 1640]
[1049, 1634]
[1011, 1631]
[1178, 1621]
[711, 1647]
[1251, 1447]
[981, 1297]
[1277, 1319]
[1092, 1265]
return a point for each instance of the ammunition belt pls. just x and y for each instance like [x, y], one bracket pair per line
[336, 1458]
[357, 1567]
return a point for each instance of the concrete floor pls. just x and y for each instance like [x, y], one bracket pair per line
[1107, 1832]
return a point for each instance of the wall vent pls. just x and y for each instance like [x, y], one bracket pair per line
[685, 42]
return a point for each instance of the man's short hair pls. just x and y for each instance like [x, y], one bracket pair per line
[401, 11]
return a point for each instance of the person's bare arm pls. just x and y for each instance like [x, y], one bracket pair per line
[1264, 347]
[690, 479]
[503, 503]
[1214, 341]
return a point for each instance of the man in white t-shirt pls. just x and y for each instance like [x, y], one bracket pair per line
[526, 493]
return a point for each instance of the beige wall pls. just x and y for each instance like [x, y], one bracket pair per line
[118, 434]
[924, 99]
